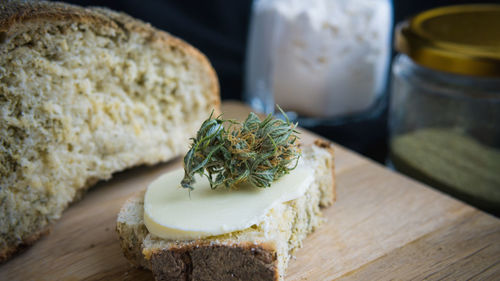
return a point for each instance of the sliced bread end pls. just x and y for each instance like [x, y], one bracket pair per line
[85, 93]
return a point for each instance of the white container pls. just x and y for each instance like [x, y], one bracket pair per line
[318, 58]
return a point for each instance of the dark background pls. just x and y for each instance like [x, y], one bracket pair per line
[219, 29]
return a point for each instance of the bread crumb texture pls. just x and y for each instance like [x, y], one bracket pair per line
[85, 93]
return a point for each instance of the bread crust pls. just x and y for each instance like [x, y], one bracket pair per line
[7, 253]
[16, 16]
[329, 147]
[200, 261]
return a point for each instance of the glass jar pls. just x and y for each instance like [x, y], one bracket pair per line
[444, 117]
[324, 60]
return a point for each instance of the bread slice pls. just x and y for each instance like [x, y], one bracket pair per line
[260, 252]
[84, 93]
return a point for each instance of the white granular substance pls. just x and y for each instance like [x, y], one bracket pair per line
[324, 58]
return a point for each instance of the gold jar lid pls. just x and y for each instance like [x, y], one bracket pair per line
[462, 39]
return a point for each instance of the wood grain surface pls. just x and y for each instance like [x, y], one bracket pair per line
[384, 226]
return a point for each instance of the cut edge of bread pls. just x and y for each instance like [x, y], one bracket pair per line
[16, 16]
[261, 252]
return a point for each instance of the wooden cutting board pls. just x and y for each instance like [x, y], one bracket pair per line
[383, 226]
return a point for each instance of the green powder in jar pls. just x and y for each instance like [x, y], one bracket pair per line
[453, 162]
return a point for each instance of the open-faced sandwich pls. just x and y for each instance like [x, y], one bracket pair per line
[247, 197]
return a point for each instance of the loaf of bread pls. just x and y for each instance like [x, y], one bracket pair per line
[84, 93]
[260, 252]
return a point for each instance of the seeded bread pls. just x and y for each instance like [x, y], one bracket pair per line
[260, 252]
[84, 93]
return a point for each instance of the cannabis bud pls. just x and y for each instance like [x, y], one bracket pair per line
[255, 151]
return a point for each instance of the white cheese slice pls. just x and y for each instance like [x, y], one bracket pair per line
[170, 212]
